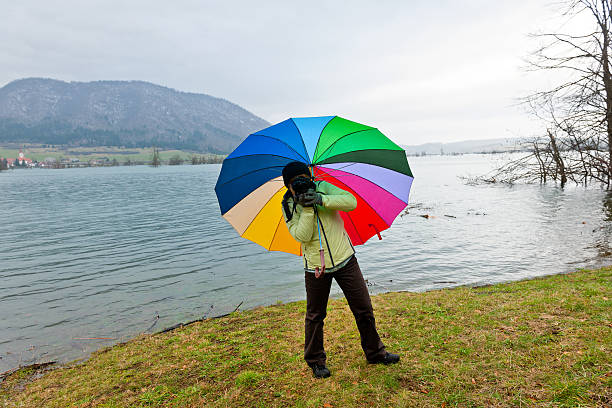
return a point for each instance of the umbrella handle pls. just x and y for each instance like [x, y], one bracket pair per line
[320, 228]
[319, 272]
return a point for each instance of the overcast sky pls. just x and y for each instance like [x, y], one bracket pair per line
[420, 71]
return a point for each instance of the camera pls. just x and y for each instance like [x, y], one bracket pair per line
[302, 184]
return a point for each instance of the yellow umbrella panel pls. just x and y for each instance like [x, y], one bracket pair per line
[258, 217]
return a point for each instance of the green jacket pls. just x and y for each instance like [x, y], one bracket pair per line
[303, 226]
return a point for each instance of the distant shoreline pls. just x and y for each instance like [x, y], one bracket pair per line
[61, 156]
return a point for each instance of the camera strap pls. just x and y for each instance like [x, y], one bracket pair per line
[285, 202]
[319, 222]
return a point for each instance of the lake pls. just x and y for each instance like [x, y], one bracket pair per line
[90, 257]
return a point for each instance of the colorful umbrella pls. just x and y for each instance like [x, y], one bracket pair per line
[352, 156]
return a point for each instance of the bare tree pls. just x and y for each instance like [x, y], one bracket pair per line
[577, 146]
[155, 160]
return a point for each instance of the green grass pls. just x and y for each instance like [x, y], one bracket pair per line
[544, 342]
[121, 154]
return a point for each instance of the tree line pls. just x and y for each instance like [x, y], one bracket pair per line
[58, 132]
[177, 159]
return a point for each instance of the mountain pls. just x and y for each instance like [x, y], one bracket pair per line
[120, 113]
[467, 146]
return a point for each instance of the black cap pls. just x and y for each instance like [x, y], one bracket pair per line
[294, 169]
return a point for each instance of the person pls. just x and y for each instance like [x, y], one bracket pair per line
[313, 219]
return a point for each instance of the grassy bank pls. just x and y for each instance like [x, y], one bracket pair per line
[545, 342]
[121, 154]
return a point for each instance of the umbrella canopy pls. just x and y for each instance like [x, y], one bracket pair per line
[352, 156]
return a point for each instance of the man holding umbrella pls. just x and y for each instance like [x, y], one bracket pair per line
[311, 212]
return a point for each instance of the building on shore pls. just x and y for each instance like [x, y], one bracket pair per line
[22, 160]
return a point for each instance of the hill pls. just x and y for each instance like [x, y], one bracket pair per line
[120, 113]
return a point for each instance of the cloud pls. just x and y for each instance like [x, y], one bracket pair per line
[422, 71]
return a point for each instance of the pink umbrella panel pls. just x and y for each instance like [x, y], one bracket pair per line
[381, 195]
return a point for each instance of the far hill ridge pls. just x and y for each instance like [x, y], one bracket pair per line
[120, 113]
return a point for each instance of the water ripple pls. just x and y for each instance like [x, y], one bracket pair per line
[109, 249]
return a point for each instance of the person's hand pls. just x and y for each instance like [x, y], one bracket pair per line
[300, 199]
[310, 198]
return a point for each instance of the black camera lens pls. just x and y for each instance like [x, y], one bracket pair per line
[302, 184]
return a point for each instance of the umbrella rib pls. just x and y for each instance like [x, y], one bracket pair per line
[276, 230]
[342, 137]
[372, 151]
[363, 178]
[258, 212]
[262, 168]
[257, 154]
[343, 167]
[349, 164]
[322, 130]
[364, 200]
[354, 226]
[280, 140]
[302, 139]
[247, 173]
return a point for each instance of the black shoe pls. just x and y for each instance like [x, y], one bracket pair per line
[387, 359]
[319, 371]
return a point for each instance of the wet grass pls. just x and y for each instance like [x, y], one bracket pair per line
[539, 343]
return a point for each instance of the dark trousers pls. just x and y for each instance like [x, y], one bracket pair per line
[351, 282]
